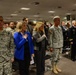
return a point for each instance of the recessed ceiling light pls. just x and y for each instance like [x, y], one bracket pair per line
[36, 15]
[14, 14]
[68, 13]
[23, 8]
[51, 11]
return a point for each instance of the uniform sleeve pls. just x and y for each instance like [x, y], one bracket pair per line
[11, 46]
[50, 37]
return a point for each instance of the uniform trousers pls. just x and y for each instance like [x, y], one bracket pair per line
[6, 68]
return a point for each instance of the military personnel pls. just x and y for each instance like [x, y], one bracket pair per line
[6, 50]
[72, 39]
[56, 43]
[12, 28]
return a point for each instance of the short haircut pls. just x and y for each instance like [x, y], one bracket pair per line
[25, 18]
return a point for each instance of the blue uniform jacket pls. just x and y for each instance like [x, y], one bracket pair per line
[19, 42]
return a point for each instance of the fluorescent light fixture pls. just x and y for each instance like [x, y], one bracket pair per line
[23, 8]
[68, 13]
[36, 15]
[51, 11]
[14, 14]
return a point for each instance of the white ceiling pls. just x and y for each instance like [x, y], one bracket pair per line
[8, 7]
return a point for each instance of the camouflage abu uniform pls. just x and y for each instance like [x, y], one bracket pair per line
[56, 42]
[6, 52]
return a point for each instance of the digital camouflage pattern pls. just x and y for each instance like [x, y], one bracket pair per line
[6, 52]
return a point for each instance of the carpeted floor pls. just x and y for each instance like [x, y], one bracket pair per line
[68, 67]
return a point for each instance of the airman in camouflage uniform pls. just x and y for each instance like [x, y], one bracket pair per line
[6, 50]
[56, 43]
[12, 28]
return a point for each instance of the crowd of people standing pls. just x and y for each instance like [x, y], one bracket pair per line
[21, 41]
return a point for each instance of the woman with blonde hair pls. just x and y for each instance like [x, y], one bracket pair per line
[39, 39]
[24, 47]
